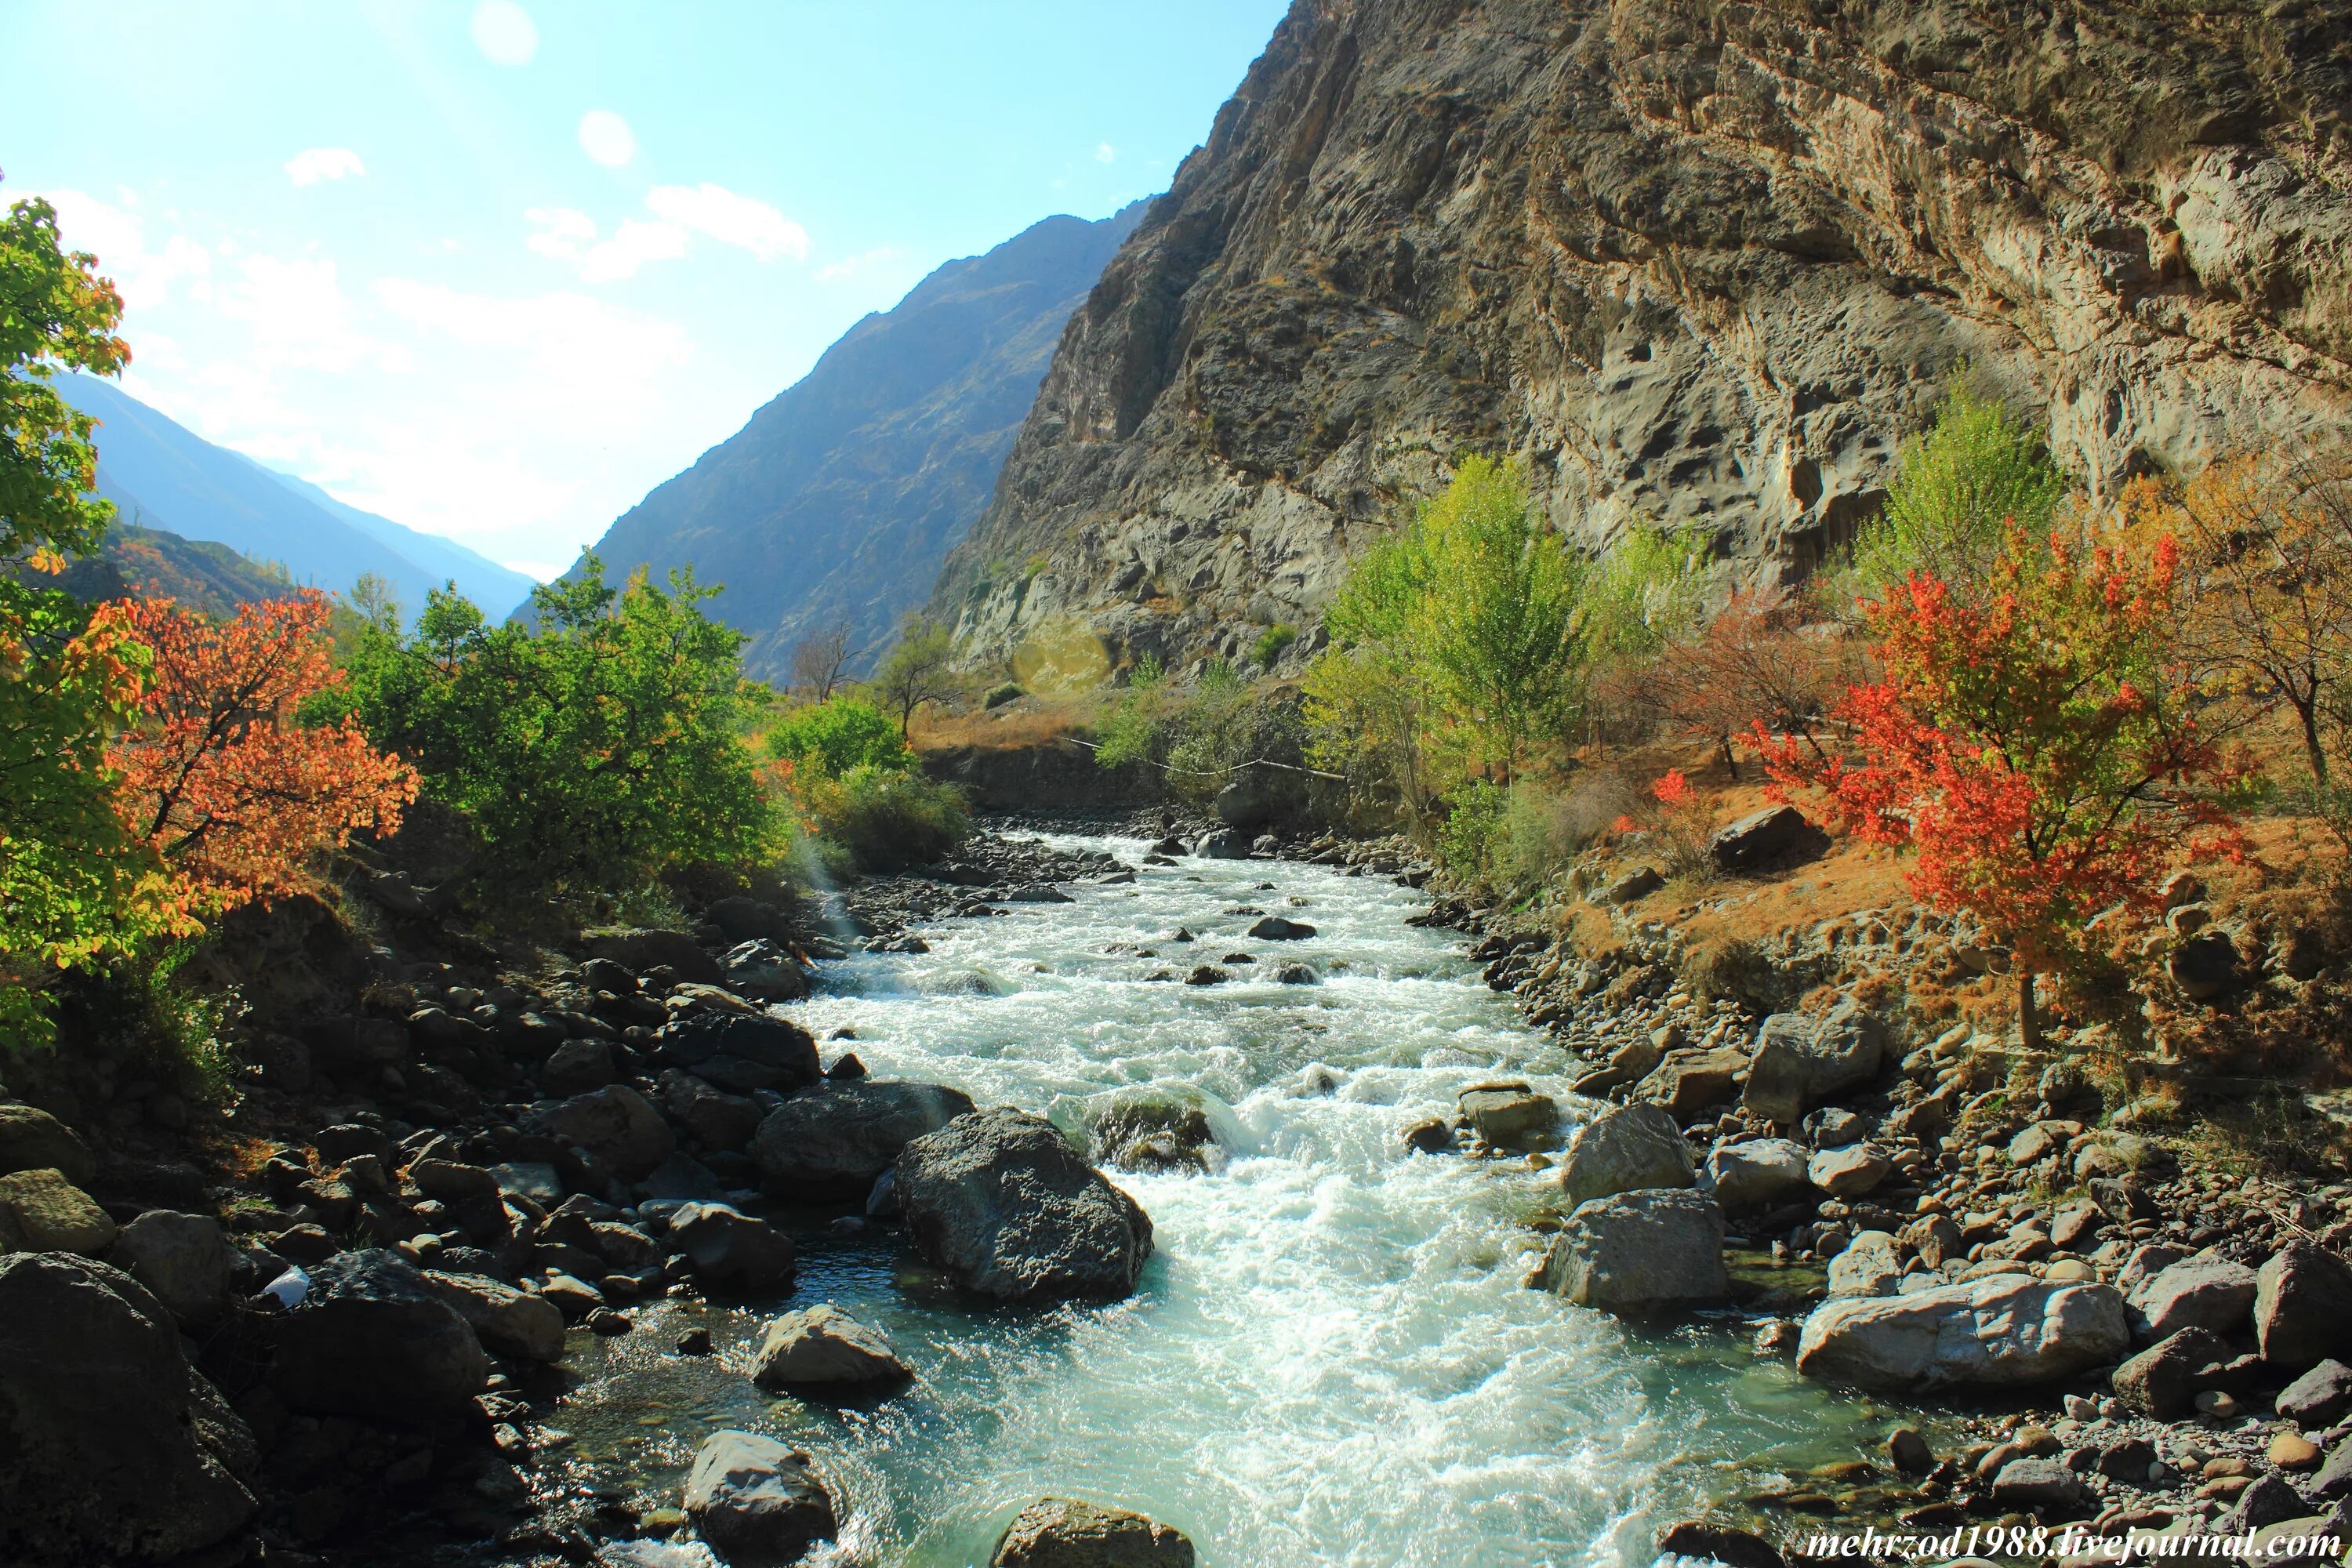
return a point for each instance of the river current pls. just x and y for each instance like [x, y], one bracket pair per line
[1332, 1358]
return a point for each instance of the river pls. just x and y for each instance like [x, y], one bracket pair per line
[1332, 1359]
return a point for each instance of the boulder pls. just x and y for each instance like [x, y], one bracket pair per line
[755, 1502]
[2199, 1293]
[615, 1125]
[1640, 1253]
[730, 1249]
[1152, 1127]
[1756, 1174]
[2205, 965]
[2320, 1397]
[1628, 1064]
[831, 1143]
[2043, 1487]
[373, 1338]
[639, 948]
[183, 1259]
[1221, 843]
[1762, 838]
[576, 1067]
[1850, 1172]
[47, 1213]
[1273, 928]
[452, 1181]
[1935, 1238]
[506, 1320]
[112, 1450]
[1509, 1118]
[2302, 1307]
[742, 1053]
[2003, 1330]
[714, 1119]
[1000, 1200]
[764, 972]
[1691, 1080]
[1060, 1532]
[33, 1140]
[1633, 886]
[1718, 1543]
[1632, 1147]
[2164, 1380]
[824, 1346]
[1801, 1058]
[1866, 1266]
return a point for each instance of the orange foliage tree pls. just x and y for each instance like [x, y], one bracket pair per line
[2030, 746]
[217, 780]
[1756, 662]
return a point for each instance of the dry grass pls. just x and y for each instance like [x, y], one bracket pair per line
[1031, 721]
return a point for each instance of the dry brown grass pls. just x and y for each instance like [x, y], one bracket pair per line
[1027, 722]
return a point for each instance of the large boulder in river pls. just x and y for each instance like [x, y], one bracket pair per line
[2302, 1307]
[1638, 1254]
[617, 1126]
[730, 1249]
[1509, 1115]
[1632, 1147]
[373, 1338]
[639, 948]
[742, 1053]
[183, 1259]
[831, 1142]
[112, 1448]
[1756, 1171]
[33, 1140]
[2002, 1331]
[755, 1502]
[825, 1347]
[1000, 1200]
[1800, 1060]
[1062, 1533]
[1152, 1127]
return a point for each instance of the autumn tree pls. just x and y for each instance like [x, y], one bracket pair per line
[918, 668]
[216, 778]
[818, 661]
[2030, 746]
[1759, 660]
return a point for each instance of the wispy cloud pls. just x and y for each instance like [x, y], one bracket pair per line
[680, 212]
[1104, 152]
[606, 138]
[856, 266]
[505, 33]
[313, 164]
[741, 221]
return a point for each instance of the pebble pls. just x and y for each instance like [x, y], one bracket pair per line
[2294, 1451]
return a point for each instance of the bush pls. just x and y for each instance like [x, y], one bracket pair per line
[884, 819]
[1273, 640]
[833, 737]
[1511, 842]
[1963, 485]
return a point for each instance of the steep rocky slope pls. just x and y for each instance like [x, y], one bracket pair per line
[1692, 261]
[837, 501]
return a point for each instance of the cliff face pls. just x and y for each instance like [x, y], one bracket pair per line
[838, 499]
[1705, 263]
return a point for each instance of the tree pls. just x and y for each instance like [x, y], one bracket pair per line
[216, 779]
[1959, 490]
[818, 661]
[1757, 662]
[916, 671]
[831, 737]
[2031, 748]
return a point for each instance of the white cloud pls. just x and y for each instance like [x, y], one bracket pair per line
[714, 212]
[606, 138]
[739, 221]
[504, 32]
[312, 165]
[865, 261]
[568, 235]
[1104, 152]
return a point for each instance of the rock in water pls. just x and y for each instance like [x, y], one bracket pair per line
[825, 1347]
[1718, 1543]
[757, 1503]
[508, 1321]
[1640, 1253]
[1800, 1058]
[1057, 1533]
[2004, 1331]
[2302, 1307]
[183, 1259]
[1000, 1200]
[1151, 1127]
[1629, 1148]
[1273, 928]
[730, 1249]
[373, 1338]
[112, 1450]
[833, 1142]
[1509, 1118]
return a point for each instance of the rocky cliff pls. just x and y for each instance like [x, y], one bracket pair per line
[839, 499]
[1698, 262]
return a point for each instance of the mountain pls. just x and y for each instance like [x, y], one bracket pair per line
[153, 563]
[1691, 262]
[162, 476]
[836, 502]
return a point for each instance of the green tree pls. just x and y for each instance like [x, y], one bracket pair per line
[832, 737]
[1960, 488]
[918, 668]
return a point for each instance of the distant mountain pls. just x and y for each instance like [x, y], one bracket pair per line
[153, 563]
[838, 501]
[162, 476]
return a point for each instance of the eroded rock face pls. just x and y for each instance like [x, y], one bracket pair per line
[1000, 1200]
[2005, 1330]
[1692, 263]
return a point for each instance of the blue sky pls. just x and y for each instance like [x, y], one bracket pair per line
[497, 268]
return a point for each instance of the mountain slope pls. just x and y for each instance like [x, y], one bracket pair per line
[153, 563]
[1688, 261]
[162, 475]
[837, 501]
[484, 581]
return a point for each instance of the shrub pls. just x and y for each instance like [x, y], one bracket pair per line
[883, 819]
[1272, 641]
[832, 737]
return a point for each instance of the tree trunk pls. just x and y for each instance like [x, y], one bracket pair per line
[1730, 762]
[2029, 1026]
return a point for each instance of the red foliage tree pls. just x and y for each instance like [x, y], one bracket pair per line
[1758, 662]
[233, 795]
[2026, 747]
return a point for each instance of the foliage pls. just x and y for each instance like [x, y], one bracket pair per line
[1128, 731]
[2032, 747]
[1194, 738]
[818, 661]
[1272, 641]
[232, 796]
[1961, 488]
[599, 748]
[1511, 842]
[1757, 662]
[832, 738]
[882, 819]
[917, 670]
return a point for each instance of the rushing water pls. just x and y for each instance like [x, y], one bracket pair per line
[1331, 1360]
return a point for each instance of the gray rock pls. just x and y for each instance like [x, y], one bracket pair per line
[756, 1502]
[2004, 1330]
[1711, 1542]
[2199, 1293]
[33, 1140]
[2145, 1264]
[185, 1259]
[2268, 1501]
[47, 1213]
[825, 1347]
[1273, 928]
[1850, 1172]
[1695, 1080]
[1060, 1532]
[833, 1142]
[1038, 893]
[616, 1125]
[764, 972]
[1866, 1266]
[1151, 1127]
[1633, 886]
[1761, 838]
[112, 1448]
[1832, 1128]
[1801, 1060]
[1628, 1149]
[451, 1181]
[2043, 1487]
[713, 1119]
[506, 1320]
[2302, 1307]
[639, 948]
[2164, 1380]
[373, 1338]
[1641, 1253]
[1628, 1064]
[730, 1249]
[1756, 1172]
[1509, 1118]
[2205, 966]
[742, 1053]
[576, 1067]
[1221, 843]
[531, 1179]
[1001, 1201]
[2320, 1397]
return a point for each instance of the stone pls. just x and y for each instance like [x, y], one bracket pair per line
[531, 1179]
[729, 1248]
[831, 1144]
[1850, 1172]
[1633, 886]
[742, 1053]
[1762, 838]
[1430, 1135]
[2145, 1264]
[999, 1200]
[451, 1181]
[763, 971]
[758, 1503]
[1273, 928]
[1221, 843]
[1062, 1533]
[112, 1448]
[2302, 1307]
[1640, 1253]
[1691, 1080]
[2205, 965]
[183, 1259]
[2164, 1380]
[1801, 1058]
[372, 1337]
[576, 1067]
[2333, 1481]
[48, 1213]
[1908, 1452]
[1866, 1266]
[1935, 1238]
[713, 1119]
[2320, 1397]
[638, 949]
[2127, 1459]
[1721, 1543]
[1832, 1127]
[825, 1347]
[616, 1125]
[1631, 1147]
[2043, 1487]
[1150, 1127]
[1756, 1172]
[2293, 1451]
[2002, 1331]
[2077, 1227]
[1509, 1118]
[2200, 1292]
[33, 1140]
[2270, 1500]
[1628, 1064]
[506, 1320]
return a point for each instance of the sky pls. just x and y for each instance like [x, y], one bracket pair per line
[495, 268]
